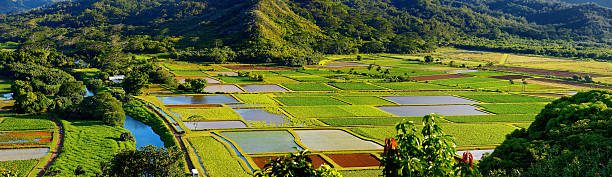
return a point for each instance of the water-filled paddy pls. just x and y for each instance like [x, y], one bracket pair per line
[214, 125]
[197, 99]
[263, 88]
[222, 88]
[143, 133]
[333, 140]
[6, 96]
[425, 110]
[263, 141]
[23, 154]
[259, 115]
[429, 100]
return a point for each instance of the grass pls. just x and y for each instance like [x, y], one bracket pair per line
[355, 86]
[21, 167]
[189, 73]
[514, 108]
[310, 87]
[487, 73]
[411, 86]
[203, 114]
[40, 122]
[336, 111]
[177, 65]
[506, 98]
[465, 134]
[237, 79]
[365, 100]
[466, 80]
[309, 78]
[216, 159]
[278, 79]
[5, 86]
[256, 99]
[309, 101]
[522, 125]
[87, 144]
[492, 118]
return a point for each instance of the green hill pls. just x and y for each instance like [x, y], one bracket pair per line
[298, 31]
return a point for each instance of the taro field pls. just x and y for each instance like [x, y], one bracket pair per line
[25, 141]
[341, 110]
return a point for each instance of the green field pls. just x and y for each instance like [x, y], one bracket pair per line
[184, 73]
[514, 108]
[355, 86]
[237, 79]
[412, 86]
[492, 118]
[203, 114]
[336, 111]
[87, 144]
[256, 99]
[310, 87]
[309, 101]
[369, 121]
[21, 167]
[5, 86]
[26, 123]
[216, 159]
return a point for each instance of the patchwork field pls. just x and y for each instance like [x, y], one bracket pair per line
[343, 109]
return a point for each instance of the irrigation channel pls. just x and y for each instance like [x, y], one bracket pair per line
[143, 134]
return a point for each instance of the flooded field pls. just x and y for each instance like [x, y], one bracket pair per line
[197, 99]
[429, 100]
[439, 109]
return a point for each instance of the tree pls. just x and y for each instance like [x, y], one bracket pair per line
[570, 137]
[103, 107]
[298, 164]
[429, 152]
[147, 161]
[27, 101]
[198, 85]
[370, 66]
[134, 82]
[576, 77]
[74, 91]
[588, 79]
[95, 84]
[428, 59]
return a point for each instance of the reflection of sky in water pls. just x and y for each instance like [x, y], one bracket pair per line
[197, 99]
[259, 115]
[143, 133]
[88, 94]
[426, 110]
[6, 96]
[19, 141]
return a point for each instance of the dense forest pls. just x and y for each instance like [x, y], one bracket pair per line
[295, 32]
[10, 6]
[605, 3]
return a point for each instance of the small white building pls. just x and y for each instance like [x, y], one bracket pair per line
[116, 78]
[194, 173]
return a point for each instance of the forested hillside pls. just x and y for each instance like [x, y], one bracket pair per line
[296, 32]
[606, 3]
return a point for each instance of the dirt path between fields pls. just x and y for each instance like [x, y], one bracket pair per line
[177, 135]
[56, 149]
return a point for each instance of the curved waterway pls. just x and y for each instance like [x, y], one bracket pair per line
[143, 133]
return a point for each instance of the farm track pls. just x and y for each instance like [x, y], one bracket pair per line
[177, 135]
[57, 148]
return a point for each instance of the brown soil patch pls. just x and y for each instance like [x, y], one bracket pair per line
[573, 83]
[43, 139]
[508, 77]
[354, 160]
[253, 67]
[438, 77]
[543, 72]
[193, 105]
[317, 161]
[30, 134]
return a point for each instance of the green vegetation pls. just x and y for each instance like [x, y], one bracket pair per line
[237, 79]
[20, 167]
[514, 108]
[310, 87]
[86, 145]
[491, 118]
[569, 134]
[309, 101]
[216, 159]
[355, 86]
[146, 161]
[203, 114]
[411, 86]
[256, 99]
[40, 122]
[505, 98]
[366, 100]
[368, 121]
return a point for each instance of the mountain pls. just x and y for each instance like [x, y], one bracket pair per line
[10, 6]
[297, 31]
[606, 3]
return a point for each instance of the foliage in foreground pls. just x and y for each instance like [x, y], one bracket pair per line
[572, 136]
[147, 161]
[298, 164]
[429, 152]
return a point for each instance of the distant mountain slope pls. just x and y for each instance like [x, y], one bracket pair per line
[293, 31]
[606, 3]
[9, 6]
